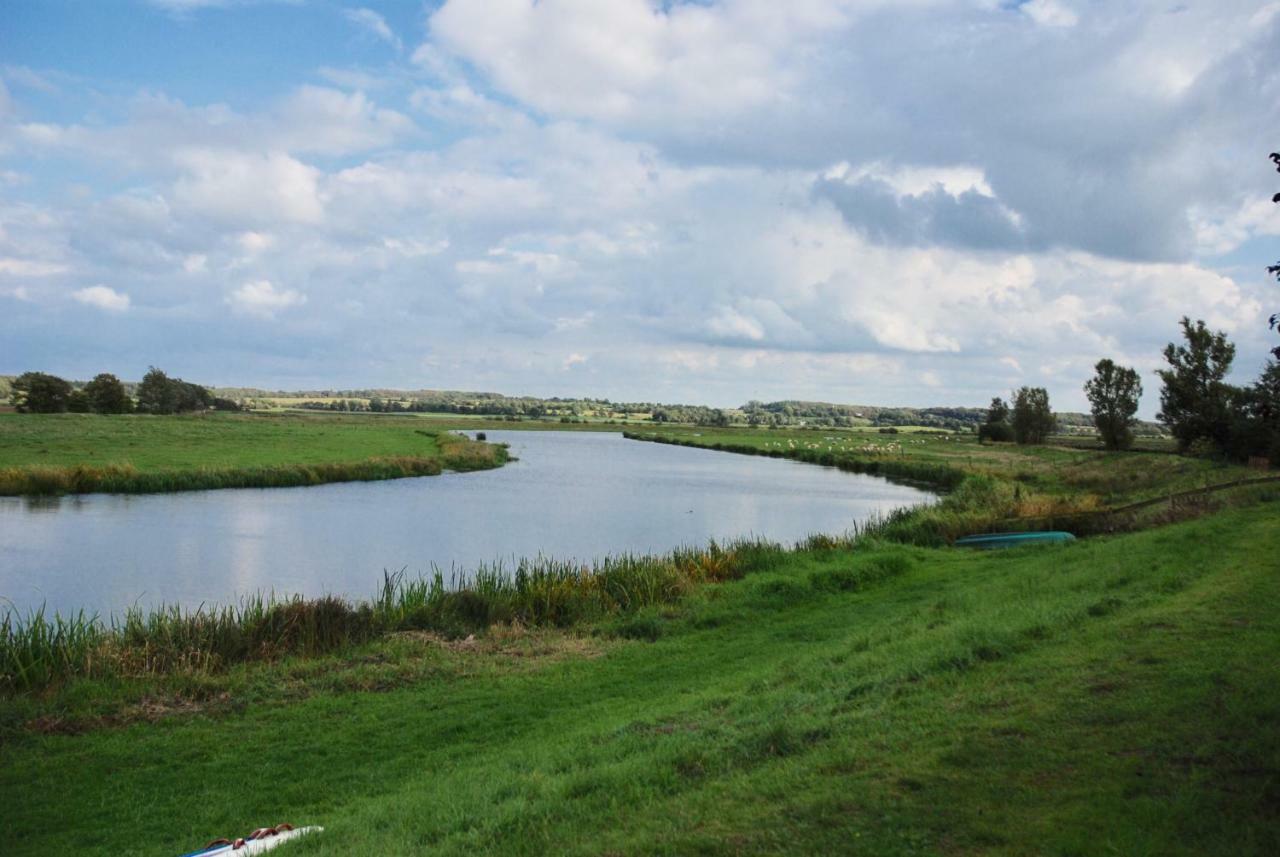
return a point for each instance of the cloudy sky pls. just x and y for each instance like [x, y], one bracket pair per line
[911, 202]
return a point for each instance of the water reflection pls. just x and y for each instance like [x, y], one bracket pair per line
[570, 494]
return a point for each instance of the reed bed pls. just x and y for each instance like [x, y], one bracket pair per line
[40, 650]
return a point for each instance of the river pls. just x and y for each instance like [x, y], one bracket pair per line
[570, 494]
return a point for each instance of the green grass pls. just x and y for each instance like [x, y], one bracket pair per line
[80, 453]
[994, 486]
[38, 651]
[1116, 696]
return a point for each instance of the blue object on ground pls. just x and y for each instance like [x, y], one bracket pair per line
[988, 541]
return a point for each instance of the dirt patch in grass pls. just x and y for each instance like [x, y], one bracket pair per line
[397, 661]
[513, 641]
[150, 709]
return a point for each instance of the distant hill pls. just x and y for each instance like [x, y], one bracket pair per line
[788, 412]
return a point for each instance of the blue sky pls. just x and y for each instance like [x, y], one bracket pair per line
[926, 202]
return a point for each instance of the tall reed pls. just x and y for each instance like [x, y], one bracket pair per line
[38, 650]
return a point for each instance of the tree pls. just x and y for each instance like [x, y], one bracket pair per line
[1255, 426]
[1114, 392]
[1033, 420]
[1196, 402]
[78, 402]
[1274, 270]
[997, 427]
[156, 395]
[998, 412]
[107, 395]
[39, 393]
[160, 394]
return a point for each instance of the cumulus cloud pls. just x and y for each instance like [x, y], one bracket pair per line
[239, 188]
[260, 298]
[627, 60]
[319, 119]
[858, 200]
[102, 297]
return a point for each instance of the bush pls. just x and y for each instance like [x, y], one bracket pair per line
[995, 432]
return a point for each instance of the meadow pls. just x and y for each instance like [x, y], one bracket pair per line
[80, 453]
[874, 692]
[1114, 696]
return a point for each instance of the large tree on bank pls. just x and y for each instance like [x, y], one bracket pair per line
[1114, 392]
[1196, 402]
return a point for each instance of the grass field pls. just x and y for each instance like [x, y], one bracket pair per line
[863, 695]
[58, 453]
[1063, 472]
[1116, 696]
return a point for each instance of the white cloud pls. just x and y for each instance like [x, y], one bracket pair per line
[1010, 200]
[373, 23]
[240, 188]
[623, 59]
[29, 78]
[915, 180]
[1049, 13]
[329, 121]
[253, 243]
[103, 297]
[731, 324]
[260, 298]
[30, 267]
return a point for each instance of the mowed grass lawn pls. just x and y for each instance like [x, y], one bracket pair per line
[1118, 695]
[206, 440]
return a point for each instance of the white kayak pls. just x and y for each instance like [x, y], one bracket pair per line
[255, 846]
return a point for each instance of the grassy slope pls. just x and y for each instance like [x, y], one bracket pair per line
[1119, 695]
[1058, 471]
[179, 446]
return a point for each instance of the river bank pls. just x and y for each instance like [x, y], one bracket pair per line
[1115, 695]
[49, 454]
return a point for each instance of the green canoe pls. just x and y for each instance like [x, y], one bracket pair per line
[988, 541]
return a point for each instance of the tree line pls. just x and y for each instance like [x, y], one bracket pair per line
[157, 393]
[1205, 414]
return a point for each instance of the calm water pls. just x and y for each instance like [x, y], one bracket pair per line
[571, 494]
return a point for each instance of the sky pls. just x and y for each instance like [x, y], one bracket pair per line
[895, 202]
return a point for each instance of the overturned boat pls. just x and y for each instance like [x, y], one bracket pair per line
[991, 541]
